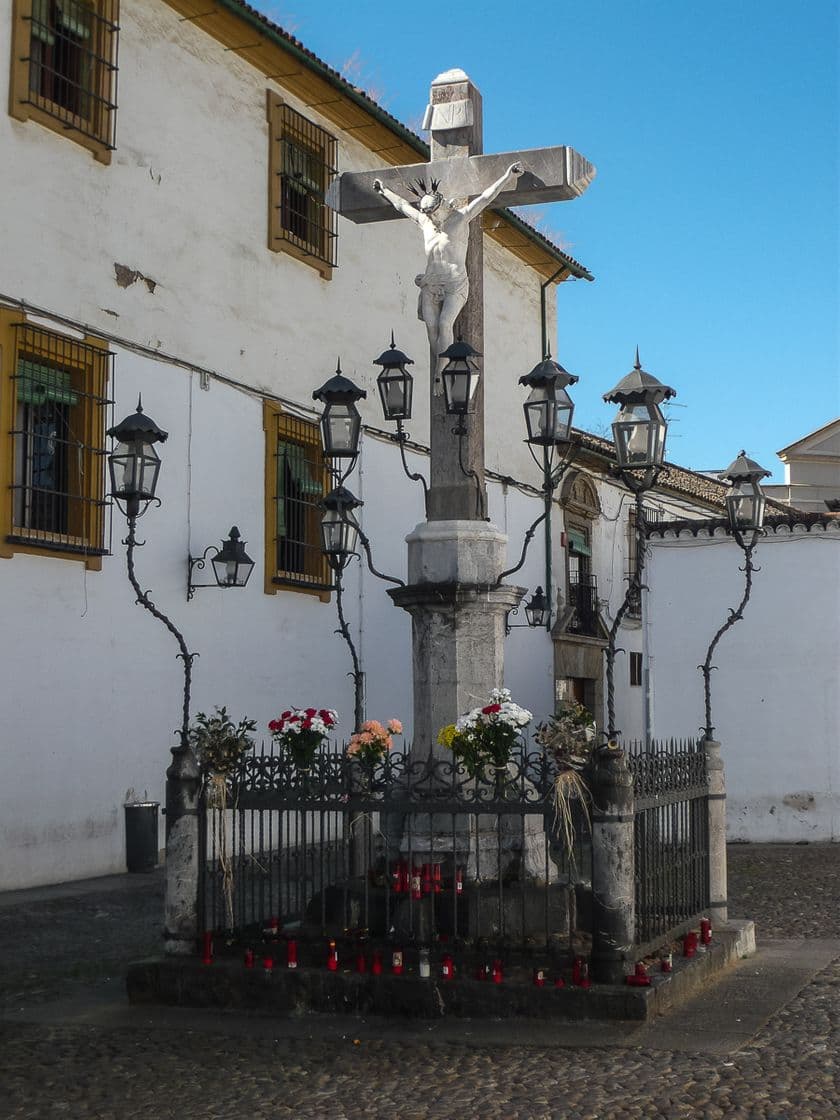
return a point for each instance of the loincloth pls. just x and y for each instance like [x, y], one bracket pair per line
[439, 290]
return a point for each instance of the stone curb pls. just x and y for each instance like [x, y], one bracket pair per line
[185, 982]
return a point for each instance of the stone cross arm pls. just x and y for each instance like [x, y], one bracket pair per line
[551, 175]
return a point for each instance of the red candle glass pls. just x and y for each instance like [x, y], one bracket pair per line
[268, 963]
[437, 878]
[459, 880]
[447, 967]
[426, 878]
[497, 973]
[559, 982]
[291, 953]
[207, 951]
[249, 958]
[361, 962]
[539, 978]
[376, 963]
[690, 945]
[332, 957]
[396, 877]
[397, 962]
[668, 962]
[705, 931]
[415, 881]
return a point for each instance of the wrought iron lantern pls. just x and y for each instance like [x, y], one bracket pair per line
[460, 377]
[341, 424]
[745, 502]
[395, 383]
[536, 609]
[549, 408]
[232, 566]
[134, 463]
[639, 430]
[339, 529]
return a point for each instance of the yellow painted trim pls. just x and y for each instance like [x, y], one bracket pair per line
[19, 105]
[287, 71]
[94, 436]
[273, 417]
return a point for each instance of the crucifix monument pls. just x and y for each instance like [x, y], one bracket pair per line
[458, 609]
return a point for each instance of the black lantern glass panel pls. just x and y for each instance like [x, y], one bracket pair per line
[536, 609]
[341, 424]
[460, 377]
[395, 383]
[339, 529]
[134, 463]
[232, 566]
[745, 506]
[341, 427]
[548, 415]
[639, 433]
[134, 467]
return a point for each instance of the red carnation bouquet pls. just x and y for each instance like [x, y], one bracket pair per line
[301, 731]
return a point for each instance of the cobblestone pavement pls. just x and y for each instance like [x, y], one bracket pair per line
[790, 1070]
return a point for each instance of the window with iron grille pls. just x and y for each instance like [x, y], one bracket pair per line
[635, 669]
[64, 69]
[296, 480]
[54, 407]
[302, 164]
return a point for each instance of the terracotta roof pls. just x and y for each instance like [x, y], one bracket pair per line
[676, 479]
[793, 518]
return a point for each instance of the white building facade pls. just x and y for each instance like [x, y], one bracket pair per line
[175, 247]
[775, 703]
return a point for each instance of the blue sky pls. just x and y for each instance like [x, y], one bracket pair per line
[712, 226]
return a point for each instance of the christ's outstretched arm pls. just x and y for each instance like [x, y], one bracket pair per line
[482, 201]
[399, 204]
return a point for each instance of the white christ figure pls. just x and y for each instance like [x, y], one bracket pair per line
[444, 286]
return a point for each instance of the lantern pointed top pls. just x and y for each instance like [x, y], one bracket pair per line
[549, 372]
[392, 358]
[340, 499]
[639, 387]
[459, 350]
[138, 426]
[744, 469]
[339, 389]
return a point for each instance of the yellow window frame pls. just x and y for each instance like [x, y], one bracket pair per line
[96, 132]
[87, 361]
[281, 426]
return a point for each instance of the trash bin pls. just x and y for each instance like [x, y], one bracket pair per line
[141, 835]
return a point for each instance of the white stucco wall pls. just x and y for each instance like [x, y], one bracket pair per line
[775, 701]
[93, 686]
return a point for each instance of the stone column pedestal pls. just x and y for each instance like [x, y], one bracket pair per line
[458, 621]
[717, 832]
[613, 866]
[181, 869]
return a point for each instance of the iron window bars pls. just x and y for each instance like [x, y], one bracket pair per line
[58, 425]
[64, 66]
[304, 163]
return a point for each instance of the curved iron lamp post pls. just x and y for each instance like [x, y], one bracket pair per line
[134, 466]
[745, 512]
[537, 612]
[639, 432]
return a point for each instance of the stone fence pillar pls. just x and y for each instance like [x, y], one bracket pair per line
[717, 832]
[613, 867]
[181, 931]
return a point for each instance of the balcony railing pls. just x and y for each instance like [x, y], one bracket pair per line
[583, 598]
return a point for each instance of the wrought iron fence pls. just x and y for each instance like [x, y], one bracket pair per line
[671, 836]
[410, 850]
[415, 852]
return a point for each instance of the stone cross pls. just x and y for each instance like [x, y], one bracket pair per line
[454, 117]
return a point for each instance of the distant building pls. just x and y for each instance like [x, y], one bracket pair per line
[812, 470]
